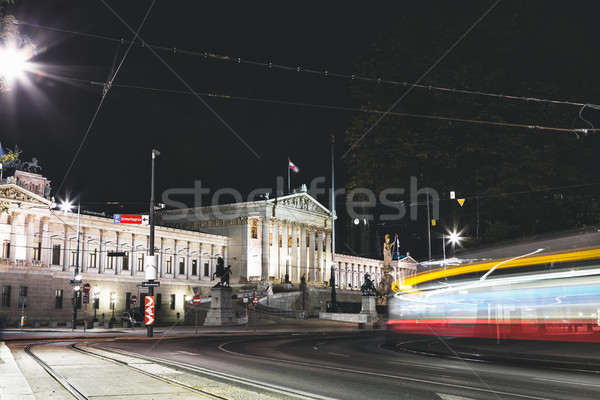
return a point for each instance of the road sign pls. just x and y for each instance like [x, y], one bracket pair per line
[196, 300]
[151, 284]
[245, 297]
[86, 298]
[149, 310]
[255, 301]
[86, 288]
[133, 299]
[131, 219]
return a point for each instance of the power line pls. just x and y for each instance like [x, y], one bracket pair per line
[327, 73]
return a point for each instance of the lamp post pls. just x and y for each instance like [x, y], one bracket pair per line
[152, 275]
[453, 238]
[66, 206]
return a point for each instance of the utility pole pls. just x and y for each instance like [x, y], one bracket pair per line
[151, 268]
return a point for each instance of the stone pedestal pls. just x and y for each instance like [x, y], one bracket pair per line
[368, 308]
[221, 311]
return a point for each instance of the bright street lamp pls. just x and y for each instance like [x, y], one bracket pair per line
[454, 238]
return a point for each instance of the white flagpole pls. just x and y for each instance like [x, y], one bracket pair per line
[288, 168]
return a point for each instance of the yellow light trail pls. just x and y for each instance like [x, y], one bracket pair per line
[556, 257]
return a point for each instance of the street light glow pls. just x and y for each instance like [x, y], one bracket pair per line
[454, 237]
[66, 206]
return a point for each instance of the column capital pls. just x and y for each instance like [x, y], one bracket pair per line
[30, 217]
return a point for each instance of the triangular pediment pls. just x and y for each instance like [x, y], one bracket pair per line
[301, 201]
[12, 193]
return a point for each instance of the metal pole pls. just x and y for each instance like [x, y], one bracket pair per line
[332, 201]
[150, 330]
[196, 320]
[75, 288]
[444, 246]
[288, 168]
[428, 226]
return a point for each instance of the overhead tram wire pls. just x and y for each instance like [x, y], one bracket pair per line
[107, 87]
[298, 69]
[324, 106]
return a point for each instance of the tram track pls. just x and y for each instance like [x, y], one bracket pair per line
[190, 378]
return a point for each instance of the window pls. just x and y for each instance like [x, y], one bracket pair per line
[96, 300]
[73, 259]
[77, 298]
[194, 267]
[172, 302]
[181, 266]
[169, 265]
[92, 257]
[6, 249]
[128, 300]
[56, 254]
[254, 230]
[126, 261]
[58, 299]
[158, 302]
[140, 262]
[206, 269]
[23, 296]
[110, 262]
[280, 240]
[270, 239]
[37, 252]
[5, 296]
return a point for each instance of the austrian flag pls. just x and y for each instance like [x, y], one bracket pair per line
[293, 167]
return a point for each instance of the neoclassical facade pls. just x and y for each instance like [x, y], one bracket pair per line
[39, 255]
[289, 235]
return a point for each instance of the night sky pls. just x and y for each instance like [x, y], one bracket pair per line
[149, 105]
[49, 119]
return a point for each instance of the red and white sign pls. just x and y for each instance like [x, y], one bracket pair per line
[133, 299]
[86, 288]
[130, 219]
[255, 301]
[196, 300]
[149, 313]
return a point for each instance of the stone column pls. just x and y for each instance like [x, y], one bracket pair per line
[133, 255]
[188, 260]
[285, 252]
[162, 261]
[46, 251]
[312, 270]
[320, 276]
[118, 260]
[264, 274]
[13, 238]
[275, 248]
[101, 254]
[66, 250]
[175, 262]
[200, 262]
[83, 258]
[294, 269]
[303, 265]
[29, 233]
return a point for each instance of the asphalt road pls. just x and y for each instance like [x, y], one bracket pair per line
[358, 366]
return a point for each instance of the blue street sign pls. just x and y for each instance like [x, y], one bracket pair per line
[117, 218]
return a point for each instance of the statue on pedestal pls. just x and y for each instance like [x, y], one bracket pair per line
[385, 285]
[368, 287]
[222, 272]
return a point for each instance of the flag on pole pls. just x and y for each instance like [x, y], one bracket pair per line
[293, 166]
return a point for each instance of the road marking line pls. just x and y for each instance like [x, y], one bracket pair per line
[404, 378]
[416, 365]
[184, 352]
[337, 354]
[569, 382]
[453, 397]
[315, 347]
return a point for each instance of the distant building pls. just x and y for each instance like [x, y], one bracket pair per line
[38, 257]
[263, 241]
[289, 235]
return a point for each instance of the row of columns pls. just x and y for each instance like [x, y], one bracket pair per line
[299, 259]
[24, 230]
